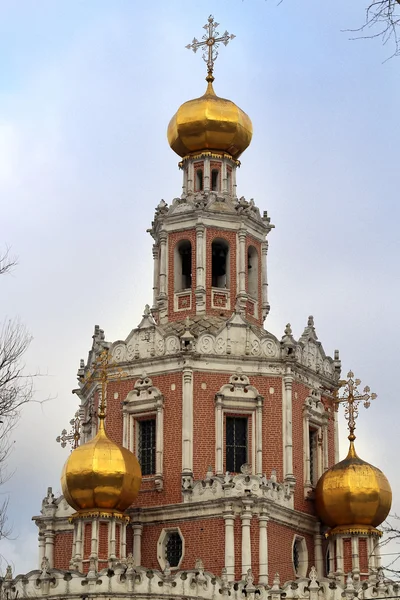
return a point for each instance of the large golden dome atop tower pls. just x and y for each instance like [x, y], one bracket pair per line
[101, 475]
[353, 496]
[210, 123]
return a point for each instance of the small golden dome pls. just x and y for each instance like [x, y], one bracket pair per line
[353, 495]
[210, 123]
[101, 475]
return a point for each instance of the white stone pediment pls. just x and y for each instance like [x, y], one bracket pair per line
[144, 343]
[312, 355]
[238, 339]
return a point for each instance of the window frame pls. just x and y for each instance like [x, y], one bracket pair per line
[142, 403]
[303, 556]
[162, 547]
[239, 398]
[139, 422]
[247, 427]
[315, 418]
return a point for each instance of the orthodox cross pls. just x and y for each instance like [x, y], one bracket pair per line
[210, 44]
[351, 398]
[73, 436]
[99, 372]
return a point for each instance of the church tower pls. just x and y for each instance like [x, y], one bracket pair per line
[232, 427]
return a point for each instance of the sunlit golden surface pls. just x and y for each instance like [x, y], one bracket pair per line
[353, 495]
[101, 475]
[210, 123]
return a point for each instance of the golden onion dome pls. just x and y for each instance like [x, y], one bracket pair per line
[101, 475]
[210, 123]
[353, 496]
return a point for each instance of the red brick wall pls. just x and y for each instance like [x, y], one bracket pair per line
[363, 555]
[197, 535]
[347, 556]
[280, 546]
[103, 540]
[204, 421]
[87, 541]
[63, 549]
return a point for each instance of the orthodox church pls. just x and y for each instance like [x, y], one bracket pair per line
[205, 458]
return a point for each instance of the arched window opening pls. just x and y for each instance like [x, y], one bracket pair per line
[252, 272]
[215, 180]
[199, 180]
[183, 266]
[220, 264]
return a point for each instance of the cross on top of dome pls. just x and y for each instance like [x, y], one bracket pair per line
[351, 397]
[210, 44]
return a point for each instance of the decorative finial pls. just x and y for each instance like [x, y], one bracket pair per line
[73, 436]
[351, 397]
[99, 372]
[211, 41]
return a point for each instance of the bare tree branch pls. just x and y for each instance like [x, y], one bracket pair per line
[382, 20]
[7, 262]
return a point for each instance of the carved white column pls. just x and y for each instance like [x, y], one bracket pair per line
[200, 269]
[288, 433]
[163, 264]
[224, 183]
[336, 433]
[263, 546]
[259, 451]
[242, 263]
[319, 559]
[325, 465]
[229, 518]
[264, 279]
[94, 541]
[137, 543]
[49, 546]
[207, 175]
[41, 548]
[355, 554]
[156, 274]
[331, 545]
[160, 438]
[123, 539]
[339, 555]
[307, 458]
[219, 460]
[187, 420]
[112, 555]
[125, 426]
[246, 539]
[78, 540]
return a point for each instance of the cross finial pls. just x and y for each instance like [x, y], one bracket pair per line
[99, 372]
[210, 44]
[73, 436]
[351, 397]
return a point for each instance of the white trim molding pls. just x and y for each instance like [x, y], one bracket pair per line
[238, 396]
[145, 400]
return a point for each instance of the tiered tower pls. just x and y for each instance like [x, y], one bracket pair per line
[232, 426]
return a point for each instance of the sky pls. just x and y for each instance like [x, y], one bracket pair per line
[87, 89]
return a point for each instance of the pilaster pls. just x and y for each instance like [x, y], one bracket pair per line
[137, 543]
[187, 421]
[156, 276]
[241, 290]
[246, 517]
[200, 292]
[162, 300]
[263, 546]
[288, 426]
[229, 518]
[264, 279]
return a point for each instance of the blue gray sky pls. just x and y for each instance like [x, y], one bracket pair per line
[86, 92]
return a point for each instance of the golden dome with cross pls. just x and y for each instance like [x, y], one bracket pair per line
[353, 496]
[210, 122]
